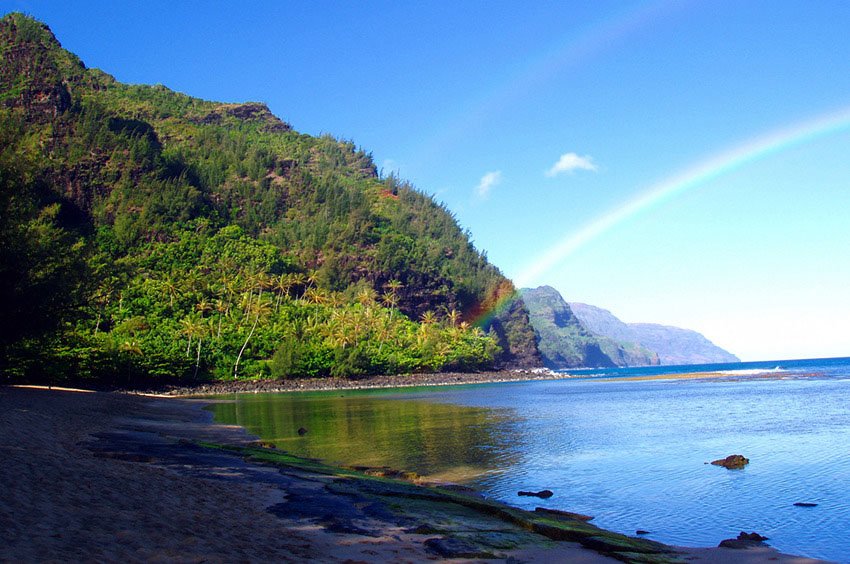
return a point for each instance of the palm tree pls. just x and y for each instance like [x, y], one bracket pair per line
[453, 316]
[203, 329]
[390, 297]
[316, 296]
[336, 299]
[366, 296]
[282, 284]
[394, 286]
[298, 282]
[130, 349]
[222, 309]
[429, 317]
[190, 329]
[390, 300]
[170, 287]
[260, 309]
[203, 306]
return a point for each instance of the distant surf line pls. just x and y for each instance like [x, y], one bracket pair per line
[690, 177]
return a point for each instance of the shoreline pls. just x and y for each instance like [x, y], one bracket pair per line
[122, 477]
[224, 387]
[366, 383]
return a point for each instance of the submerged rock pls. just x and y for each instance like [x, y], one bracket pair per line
[732, 462]
[543, 494]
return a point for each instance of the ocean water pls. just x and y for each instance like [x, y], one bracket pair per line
[617, 444]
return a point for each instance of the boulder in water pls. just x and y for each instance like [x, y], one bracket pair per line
[732, 462]
[543, 494]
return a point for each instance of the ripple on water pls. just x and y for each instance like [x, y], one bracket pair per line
[632, 454]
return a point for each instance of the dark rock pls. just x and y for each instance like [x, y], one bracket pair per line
[805, 504]
[566, 514]
[732, 462]
[744, 540]
[621, 545]
[543, 494]
[641, 532]
[302, 431]
[751, 536]
[454, 548]
[424, 529]
[345, 526]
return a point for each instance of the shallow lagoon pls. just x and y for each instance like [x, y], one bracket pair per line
[631, 453]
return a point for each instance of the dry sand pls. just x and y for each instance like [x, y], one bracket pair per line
[71, 491]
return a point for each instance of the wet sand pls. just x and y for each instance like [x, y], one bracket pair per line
[116, 477]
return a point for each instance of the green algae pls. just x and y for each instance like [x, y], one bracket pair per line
[465, 517]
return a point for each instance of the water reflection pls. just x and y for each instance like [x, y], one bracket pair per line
[443, 441]
[631, 453]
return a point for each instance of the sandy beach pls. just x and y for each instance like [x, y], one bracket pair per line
[108, 477]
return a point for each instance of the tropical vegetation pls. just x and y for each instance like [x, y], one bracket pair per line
[148, 236]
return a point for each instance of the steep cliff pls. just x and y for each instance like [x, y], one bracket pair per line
[672, 344]
[564, 342]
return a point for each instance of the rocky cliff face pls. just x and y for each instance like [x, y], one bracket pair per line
[672, 344]
[564, 342]
[680, 346]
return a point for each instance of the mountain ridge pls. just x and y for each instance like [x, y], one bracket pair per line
[674, 345]
[565, 342]
[211, 235]
[577, 335]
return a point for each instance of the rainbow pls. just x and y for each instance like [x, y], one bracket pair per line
[574, 48]
[691, 177]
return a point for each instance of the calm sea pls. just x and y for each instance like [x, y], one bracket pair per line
[632, 453]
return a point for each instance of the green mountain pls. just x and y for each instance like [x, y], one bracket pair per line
[672, 344]
[146, 234]
[565, 342]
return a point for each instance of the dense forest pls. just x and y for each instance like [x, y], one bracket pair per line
[148, 236]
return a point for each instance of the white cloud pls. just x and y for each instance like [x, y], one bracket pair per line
[487, 182]
[570, 162]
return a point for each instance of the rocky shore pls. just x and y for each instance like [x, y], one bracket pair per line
[118, 477]
[386, 381]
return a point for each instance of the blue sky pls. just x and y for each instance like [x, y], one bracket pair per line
[478, 102]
